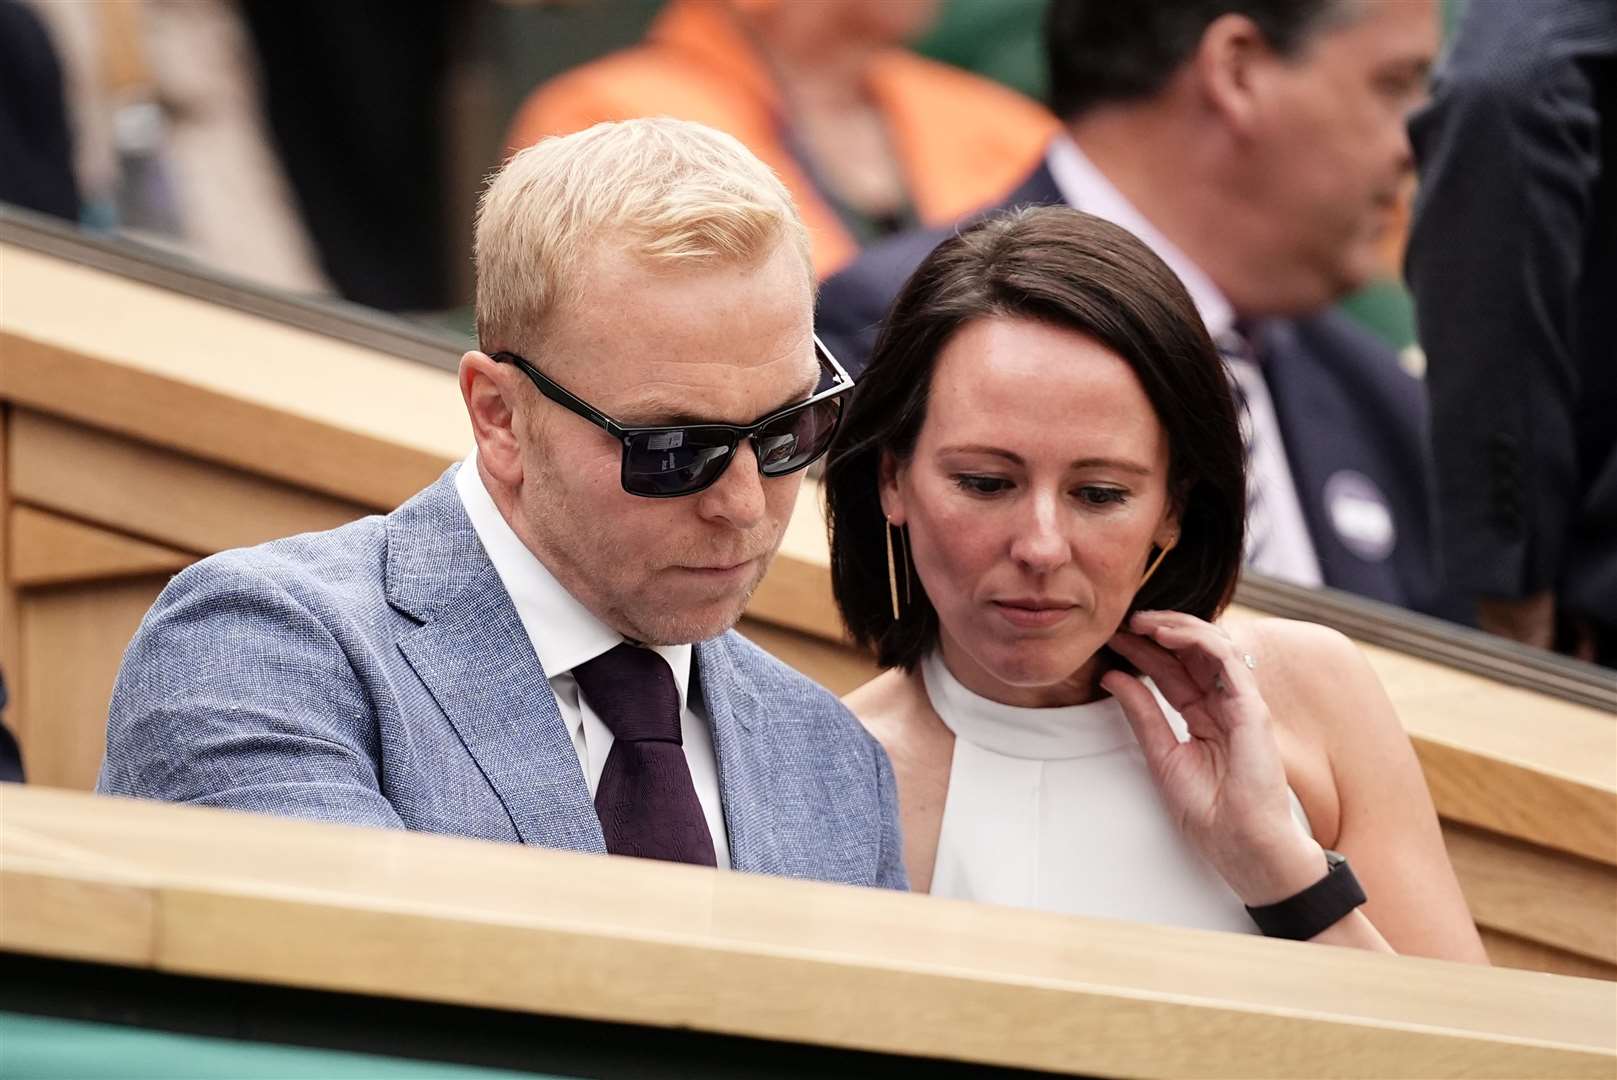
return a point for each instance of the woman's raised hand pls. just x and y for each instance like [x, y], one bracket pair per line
[1226, 785]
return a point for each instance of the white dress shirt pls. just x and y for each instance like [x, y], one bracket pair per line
[1288, 552]
[566, 634]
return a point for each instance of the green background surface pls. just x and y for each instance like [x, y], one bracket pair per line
[39, 1048]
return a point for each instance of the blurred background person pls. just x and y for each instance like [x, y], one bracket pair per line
[1259, 147]
[296, 145]
[354, 97]
[36, 143]
[170, 144]
[1513, 262]
[870, 138]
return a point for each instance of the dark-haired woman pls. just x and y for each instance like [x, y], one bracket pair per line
[1036, 508]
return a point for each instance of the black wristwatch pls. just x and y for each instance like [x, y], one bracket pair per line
[1318, 907]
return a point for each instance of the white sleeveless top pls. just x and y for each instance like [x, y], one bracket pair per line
[1055, 809]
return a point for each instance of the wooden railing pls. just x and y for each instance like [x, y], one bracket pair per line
[204, 892]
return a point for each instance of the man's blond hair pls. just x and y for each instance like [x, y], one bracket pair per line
[668, 191]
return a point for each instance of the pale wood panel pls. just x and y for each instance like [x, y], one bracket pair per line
[10, 652]
[73, 640]
[305, 904]
[833, 665]
[47, 549]
[78, 917]
[1563, 738]
[203, 423]
[1507, 950]
[1495, 792]
[136, 488]
[1536, 894]
[249, 391]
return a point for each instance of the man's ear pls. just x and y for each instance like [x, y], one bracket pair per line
[887, 477]
[489, 390]
[1230, 67]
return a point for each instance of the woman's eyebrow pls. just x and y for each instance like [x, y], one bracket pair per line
[1120, 464]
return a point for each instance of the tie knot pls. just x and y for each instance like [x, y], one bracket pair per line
[632, 690]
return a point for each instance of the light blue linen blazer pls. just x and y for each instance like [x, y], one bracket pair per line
[378, 674]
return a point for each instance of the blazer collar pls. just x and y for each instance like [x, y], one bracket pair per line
[433, 554]
[474, 657]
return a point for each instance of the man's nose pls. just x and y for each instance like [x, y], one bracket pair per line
[1040, 543]
[737, 497]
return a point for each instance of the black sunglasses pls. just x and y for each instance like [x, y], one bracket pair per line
[682, 459]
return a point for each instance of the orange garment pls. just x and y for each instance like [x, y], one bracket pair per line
[962, 141]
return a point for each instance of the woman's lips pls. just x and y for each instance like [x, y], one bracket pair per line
[1033, 614]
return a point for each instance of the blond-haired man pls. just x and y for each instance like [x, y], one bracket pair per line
[537, 647]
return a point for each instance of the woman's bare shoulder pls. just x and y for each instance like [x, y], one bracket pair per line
[1308, 673]
[894, 708]
[1292, 638]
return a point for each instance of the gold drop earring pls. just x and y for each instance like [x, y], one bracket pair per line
[892, 567]
[1152, 569]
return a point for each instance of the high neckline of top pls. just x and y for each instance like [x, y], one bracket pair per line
[1047, 734]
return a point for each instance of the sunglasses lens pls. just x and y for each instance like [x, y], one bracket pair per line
[795, 440]
[678, 461]
[675, 461]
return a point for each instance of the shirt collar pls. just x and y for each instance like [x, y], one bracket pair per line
[564, 632]
[1084, 186]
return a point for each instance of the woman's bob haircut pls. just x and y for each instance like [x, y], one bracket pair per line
[1067, 269]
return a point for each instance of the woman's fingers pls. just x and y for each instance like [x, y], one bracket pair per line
[1206, 651]
[1164, 668]
[1151, 729]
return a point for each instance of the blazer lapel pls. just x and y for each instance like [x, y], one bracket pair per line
[741, 745]
[474, 657]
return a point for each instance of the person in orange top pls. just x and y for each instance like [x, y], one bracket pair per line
[869, 137]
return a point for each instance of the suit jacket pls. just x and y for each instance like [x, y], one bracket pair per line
[1513, 263]
[378, 674]
[1353, 421]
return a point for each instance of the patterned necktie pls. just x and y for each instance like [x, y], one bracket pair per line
[1240, 357]
[646, 800]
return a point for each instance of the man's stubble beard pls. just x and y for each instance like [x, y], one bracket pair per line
[615, 601]
[674, 628]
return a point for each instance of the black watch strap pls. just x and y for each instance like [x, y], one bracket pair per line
[1318, 907]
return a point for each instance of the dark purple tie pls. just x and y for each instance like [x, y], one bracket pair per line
[645, 800]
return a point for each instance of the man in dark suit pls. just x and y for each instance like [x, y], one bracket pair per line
[1513, 261]
[1258, 146]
